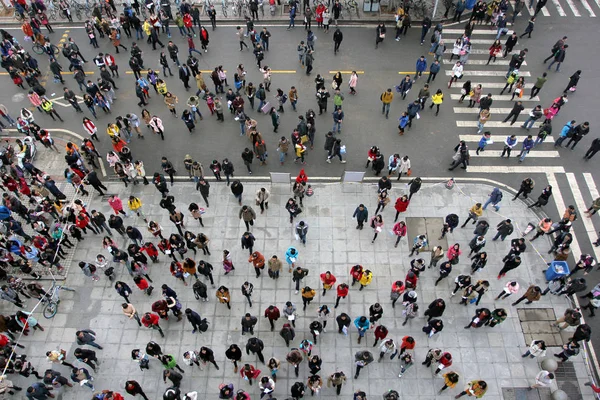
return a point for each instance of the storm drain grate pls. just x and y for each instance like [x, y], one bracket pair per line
[566, 378]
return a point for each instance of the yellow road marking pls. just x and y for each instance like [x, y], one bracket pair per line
[411, 72]
[347, 72]
[283, 71]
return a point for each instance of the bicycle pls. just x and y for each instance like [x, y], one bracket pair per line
[51, 308]
[224, 8]
[39, 49]
[420, 8]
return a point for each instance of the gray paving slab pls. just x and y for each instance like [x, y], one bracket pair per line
[333, 244]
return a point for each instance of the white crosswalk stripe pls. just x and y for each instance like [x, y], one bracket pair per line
[587, 6]
[573, 8]
[476, 138]
[473, 110]
[559, 8]
[467, 72]
[499, 97]
[492, 124]
[532, 153]
[498, 62]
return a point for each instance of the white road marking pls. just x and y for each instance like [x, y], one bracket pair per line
[517, 169]
[572, 7]
[475, 31]
[484, 62]
[487, 73]
[492, 85]
[580, 203]
[559, 8]
[589, 181]
[560, 205]
[532, 153]
[476, 138]
[586, 5]
[499, 97]
[473, 110]
[492, 124]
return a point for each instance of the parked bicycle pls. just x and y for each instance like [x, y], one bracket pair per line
[351, 6]
[39, 49]
[51, 308]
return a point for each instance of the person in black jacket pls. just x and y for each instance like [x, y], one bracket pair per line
[578, 133]
[414, 186]
[194, 318]
[256, 346]
[436, 309]
[380, 30]
[594, 147]
[338, 36]
[234, 353]
[514, 113]
[207, 356]
[384, 184]
[133, 388]
[573, 80]
[343, 320]
[559, 56]
[248, 240]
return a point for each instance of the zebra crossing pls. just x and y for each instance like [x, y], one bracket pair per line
[568, 9]
[492, 77]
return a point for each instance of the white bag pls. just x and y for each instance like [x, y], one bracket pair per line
[297, 237]
[345, 330]
[418, 116]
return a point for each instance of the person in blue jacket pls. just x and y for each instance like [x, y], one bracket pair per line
[362, 324]
[434, 68]
[405, 86]
[527, 146]
[494, 199]
[564, 133]
[421, 66]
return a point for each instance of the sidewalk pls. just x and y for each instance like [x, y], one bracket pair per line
[491, 354]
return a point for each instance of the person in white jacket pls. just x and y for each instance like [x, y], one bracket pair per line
[404, 166]
[191, 396]
[387, 346]
[393, 163]
[537, 348]
[542, 379]
[157, 126]
[457, 73]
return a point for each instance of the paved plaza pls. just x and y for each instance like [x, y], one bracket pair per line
[491, 354]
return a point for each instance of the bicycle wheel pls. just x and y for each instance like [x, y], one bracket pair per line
[55, 50]
[38, 49]
[50, 309]
[78, 13]
[52, 15]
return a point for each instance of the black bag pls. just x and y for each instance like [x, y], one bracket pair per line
[109, 271]
[203, 325]
[454, 261]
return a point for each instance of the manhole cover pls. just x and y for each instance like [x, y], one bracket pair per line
[537, 324]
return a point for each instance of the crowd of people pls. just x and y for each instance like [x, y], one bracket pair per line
[56, 220]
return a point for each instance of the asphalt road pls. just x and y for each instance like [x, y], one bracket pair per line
[429, 144]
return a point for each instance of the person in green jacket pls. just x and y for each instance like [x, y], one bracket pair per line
[593, 208]
[498, 316]
[169, 362]
[180, 25]
[338, 99]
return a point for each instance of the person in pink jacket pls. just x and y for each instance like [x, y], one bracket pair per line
[116, 204]
[35, 100]
[453, 253]
[511, 287]
[377, 225]
[399, 230]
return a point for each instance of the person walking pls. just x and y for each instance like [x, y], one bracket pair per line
[542, 379]
[248, 215]
[475, 388]
[559, 57]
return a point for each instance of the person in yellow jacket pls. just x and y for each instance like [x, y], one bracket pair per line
[135, 205]
[308, 295]
[161, 87]
[386, 98]
[450, 380]
[113, 131]
[147, 28]
[437, 99]
[474, 388]
[48, 107]
[474, 213]
[365, 279]
[300, 150]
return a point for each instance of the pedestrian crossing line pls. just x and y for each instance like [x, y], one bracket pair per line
[545, 11]
[597, 3]
[559, 8]
[496, 85]
[497, 153]
[473, 110]
[589, 181]
[498, 62]
[488, 73]
[573, 8]
[476, 32]
[483, 41]
[560, 205]
[499, 97]
[492, 124]
[481, 51]
[476, 138]
[516, 169]
[580, 203]
[586, 5]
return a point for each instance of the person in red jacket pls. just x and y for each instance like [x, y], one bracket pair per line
[83, 222]
[408, 343]
[411, 280]
[445, 362]
[397, 291]
[380, 333]
[356, 272]
[302, 178]
[112, 395]
[401, 205]
[150, 320]
[143, 285]
[151, 250]
[328, 281]
[188, 23]
[249, 372]
[342, 292]
[273, 314]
